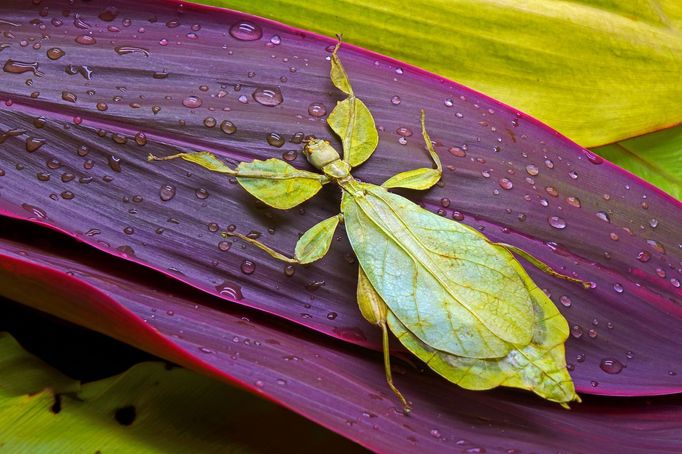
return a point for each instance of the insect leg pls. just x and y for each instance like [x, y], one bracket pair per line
[312, 246]
[374, 309]
[542, 266]
[203, 158]
[422, 178]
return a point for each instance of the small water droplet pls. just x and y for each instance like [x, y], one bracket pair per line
[317, 109]
[435, 433]
[506, 183]
[644, 256]
[114, 163]
[404, 132]
[332, 315]
[290, 155]
[224, 246]
[604, 216]
[573, 201]
[611, 366]
[565, 301]
[552, 191]
[167, 192]
[55, 53]
[86, 40]
[201, 193]
[577, 332]
[192, 102]
[289, 270]
[248, 267]
[532, 169]
[274, 139]
[593, 158]
[618, 288]
[268, 96]
[228, 127]
[246, 31]
[557, 222]
[395, 100]
[653, 223]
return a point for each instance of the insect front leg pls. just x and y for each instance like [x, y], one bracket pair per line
[203, 158]
[542, 266]
[424, 177]
[312, 246]
[374, 309]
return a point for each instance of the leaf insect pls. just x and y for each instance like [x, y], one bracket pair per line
[461, 303]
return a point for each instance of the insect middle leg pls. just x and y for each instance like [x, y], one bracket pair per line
[312, 246]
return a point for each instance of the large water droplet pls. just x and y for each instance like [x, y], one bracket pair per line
[268, 96]
[228, 127]
[532, 169]
[167, 192]
[248, 267]
[125, 50]
[317, 109]
[611, 366]
[33, 143]
[55, 53]
[192, 102]
[86, 40]
[20, 67]
[557, 222]
[604, 216]
[274, 139]
[246, 31]
[230, 290]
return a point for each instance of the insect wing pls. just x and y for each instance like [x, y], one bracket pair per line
[444, 281]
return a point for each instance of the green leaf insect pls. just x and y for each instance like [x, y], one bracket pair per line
[461, 303]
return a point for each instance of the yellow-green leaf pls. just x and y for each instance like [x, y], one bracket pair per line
[598, 71]
[315, 243]
[354, 124]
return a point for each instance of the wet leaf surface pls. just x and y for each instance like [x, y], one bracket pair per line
[75, 132]
[331, 382]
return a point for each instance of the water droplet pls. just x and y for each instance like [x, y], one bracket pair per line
[317, 109]
[611, 366]
[246, 31]
[565, 301]
[573, 201]
[35, 211]
[643, 256]
[128, 230]
[33, 143]
[140, 139]
[395, 100]
[102, 106]
[230, 290]
[577, 332]
[109, 14]
[289, 270]
[458, 152]
[274, 139]
[248, 267]
[557, 222]
[114, 163]
[618, 288]
[276, 40]
[332, 315]
[532, 169]
[604, 216]
[445, 202]
[658, 247]
[593, 158]
[86, 40]
[125, 50]
[192, 102]
[268, 96]
[201, 193]
[167, 192]
[55, 53]
[228, 127]
[224, 246]
[573, 174]
[653, 223]
[404, 132]
[505, 183]
[20, 67]
[290, 155]
[435, 433]
[552, 191]
[675, 282]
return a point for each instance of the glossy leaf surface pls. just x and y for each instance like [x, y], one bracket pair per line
[337, 385]
[80, 167]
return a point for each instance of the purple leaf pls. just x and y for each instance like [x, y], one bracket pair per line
[337, 385]
[77, 127]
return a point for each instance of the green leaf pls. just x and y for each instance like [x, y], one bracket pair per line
[151, 408]
[277, 183]
[452, 288]
[598, 71]
[656, 157]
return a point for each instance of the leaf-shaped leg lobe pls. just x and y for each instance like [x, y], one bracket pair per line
[272, 181]
[312, 246]
[374, 309]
